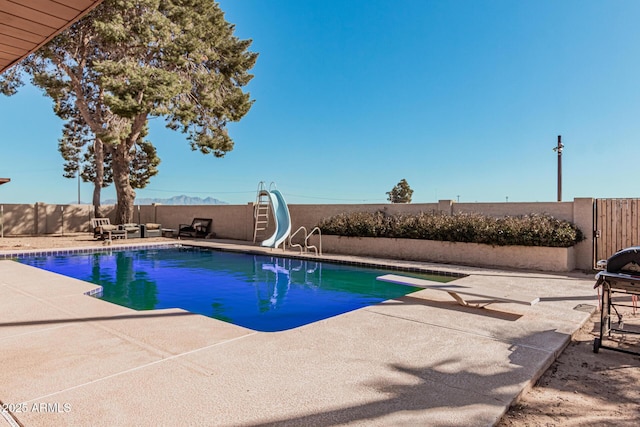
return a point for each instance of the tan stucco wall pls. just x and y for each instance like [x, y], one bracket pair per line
[229, 221]
[236, 221]
[583, 219]
[521, 257]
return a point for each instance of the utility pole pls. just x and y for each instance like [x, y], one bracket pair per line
[559, 148]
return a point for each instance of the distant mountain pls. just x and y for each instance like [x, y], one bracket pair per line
[175, 200]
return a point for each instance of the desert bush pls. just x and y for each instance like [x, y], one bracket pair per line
[525, 230]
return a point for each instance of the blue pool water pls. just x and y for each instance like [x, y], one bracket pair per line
[259, 292]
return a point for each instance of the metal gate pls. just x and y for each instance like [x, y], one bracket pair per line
[616, 226]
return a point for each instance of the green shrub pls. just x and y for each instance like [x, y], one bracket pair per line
[525, 230]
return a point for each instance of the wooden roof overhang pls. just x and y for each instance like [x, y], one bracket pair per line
[25, 25]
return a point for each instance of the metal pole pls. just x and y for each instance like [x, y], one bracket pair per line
[559, 168]
[559, 148]
[78, 185]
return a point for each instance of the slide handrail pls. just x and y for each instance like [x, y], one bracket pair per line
[307, 236]
[297, 245]
[306, 245]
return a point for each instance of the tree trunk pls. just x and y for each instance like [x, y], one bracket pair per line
[126, 194]
[98, 150]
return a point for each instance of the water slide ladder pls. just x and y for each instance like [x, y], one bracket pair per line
[261, 212]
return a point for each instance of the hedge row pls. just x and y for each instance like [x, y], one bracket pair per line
[526, 230]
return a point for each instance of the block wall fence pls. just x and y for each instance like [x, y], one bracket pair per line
[236, 221]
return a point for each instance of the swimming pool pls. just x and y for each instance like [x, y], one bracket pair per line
[259, 292]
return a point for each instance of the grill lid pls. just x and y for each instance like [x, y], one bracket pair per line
[626, 261]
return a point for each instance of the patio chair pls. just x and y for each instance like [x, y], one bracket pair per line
[199, 227]
[132, 230]
[151, 230]
[104, 230]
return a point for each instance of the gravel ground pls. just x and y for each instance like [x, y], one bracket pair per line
[583, 388]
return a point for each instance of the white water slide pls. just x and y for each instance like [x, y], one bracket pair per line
[282, 220]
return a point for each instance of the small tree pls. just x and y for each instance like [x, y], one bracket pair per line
[401, 193]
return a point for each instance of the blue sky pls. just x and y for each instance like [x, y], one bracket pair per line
[460, 98]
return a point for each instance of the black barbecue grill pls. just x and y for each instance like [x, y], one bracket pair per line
[621, 275]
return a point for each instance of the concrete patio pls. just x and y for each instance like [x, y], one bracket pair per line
[71, 359]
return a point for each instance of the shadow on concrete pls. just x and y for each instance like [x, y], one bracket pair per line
[534, 274]
[454, 306]
[94, 319]
[593, 298]
[438, 387]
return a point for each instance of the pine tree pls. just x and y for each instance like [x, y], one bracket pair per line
[78, 147]
[131, 60]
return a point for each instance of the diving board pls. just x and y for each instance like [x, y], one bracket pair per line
[459, 292]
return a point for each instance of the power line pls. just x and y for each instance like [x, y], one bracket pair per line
[333, 198]
[253, 192]
[197, 192]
